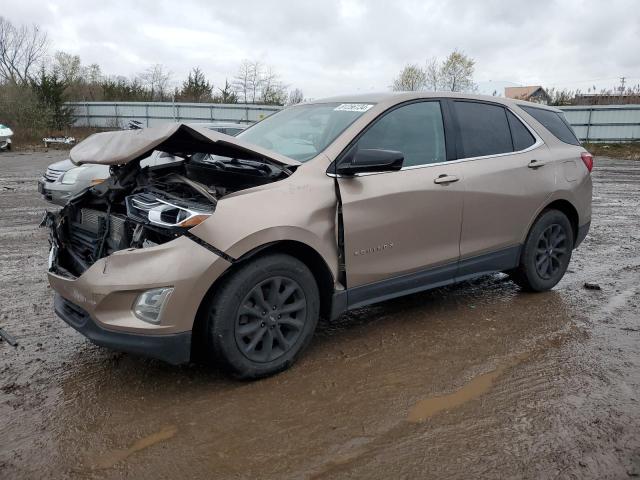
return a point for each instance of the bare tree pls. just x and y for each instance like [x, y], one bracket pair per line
[240, 82]
[295, 96]
[249, 80]
[432, 75]
[157, 80]
[272, 90]
[92, 73]
[22, 49]
[256, 79]
[68, 67]
[256, 82]
[456, 73]
[411, 78]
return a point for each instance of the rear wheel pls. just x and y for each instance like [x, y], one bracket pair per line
[546, 253]
[263, 316]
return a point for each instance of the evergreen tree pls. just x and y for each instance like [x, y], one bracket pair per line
[196, 88]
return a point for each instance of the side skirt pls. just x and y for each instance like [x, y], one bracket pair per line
[453, 272]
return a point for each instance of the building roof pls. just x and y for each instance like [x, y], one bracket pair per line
[522, 92]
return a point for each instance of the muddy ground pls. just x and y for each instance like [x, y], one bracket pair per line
[473, 381]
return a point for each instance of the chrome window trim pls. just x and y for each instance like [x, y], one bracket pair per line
[538, 143]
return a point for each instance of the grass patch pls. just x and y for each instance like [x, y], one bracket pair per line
[629, 150]
[32, 141]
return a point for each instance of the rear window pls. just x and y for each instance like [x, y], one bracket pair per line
[555, 123]
[484, 129]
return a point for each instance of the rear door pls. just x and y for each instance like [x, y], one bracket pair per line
[507, 176]
[409, 220]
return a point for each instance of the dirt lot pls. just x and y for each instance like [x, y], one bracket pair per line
[473, 381]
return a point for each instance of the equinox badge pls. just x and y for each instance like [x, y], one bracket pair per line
[376, 249]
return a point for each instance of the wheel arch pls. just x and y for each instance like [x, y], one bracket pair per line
[561, 204]
[299, 250]
[569, 210]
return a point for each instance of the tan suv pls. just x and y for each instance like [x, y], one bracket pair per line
[237, 251]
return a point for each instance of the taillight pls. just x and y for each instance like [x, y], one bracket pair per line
[587, 159]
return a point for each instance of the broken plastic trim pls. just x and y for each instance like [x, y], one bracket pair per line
[210, 247]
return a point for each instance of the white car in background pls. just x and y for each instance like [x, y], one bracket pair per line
[64, 179]
[5, 137]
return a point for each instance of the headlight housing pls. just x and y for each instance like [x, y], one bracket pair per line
[71, 176]
[149, 304]
[149, 208]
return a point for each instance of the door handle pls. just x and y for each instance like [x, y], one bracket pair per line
[536, 164]
[445, 179]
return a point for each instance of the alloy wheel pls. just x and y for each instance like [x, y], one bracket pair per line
[551, 251]
[270, 319]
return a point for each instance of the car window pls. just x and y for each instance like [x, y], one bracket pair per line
[416, 130]
[302, 131]
[520, 134]
[554, 122]
[484, 129]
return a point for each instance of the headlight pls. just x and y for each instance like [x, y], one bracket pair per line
[160, 212]
[149, 304]
[170, 215]
[71, 176]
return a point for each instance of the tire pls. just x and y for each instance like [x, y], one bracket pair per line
[247, 338]
[546, 253]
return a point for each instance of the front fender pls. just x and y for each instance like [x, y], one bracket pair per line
[301, 208]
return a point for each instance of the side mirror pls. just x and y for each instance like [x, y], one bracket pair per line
[370, 160]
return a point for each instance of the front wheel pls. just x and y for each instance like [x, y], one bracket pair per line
[263, 316]
[546, 253]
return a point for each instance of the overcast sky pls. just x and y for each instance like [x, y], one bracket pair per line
[328, 47]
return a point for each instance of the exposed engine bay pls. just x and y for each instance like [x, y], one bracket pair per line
[142, 207]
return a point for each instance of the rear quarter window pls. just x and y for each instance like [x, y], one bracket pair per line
[484, 129]
[522, 138]
[554, 122]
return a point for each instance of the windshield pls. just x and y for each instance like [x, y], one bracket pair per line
[303, 131]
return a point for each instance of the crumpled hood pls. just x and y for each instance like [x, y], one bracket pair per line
[124, 146]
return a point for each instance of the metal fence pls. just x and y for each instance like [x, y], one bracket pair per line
[605, 123]
[118, 114]
[598, 123]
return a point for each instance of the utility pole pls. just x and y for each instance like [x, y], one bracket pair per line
[622, 81]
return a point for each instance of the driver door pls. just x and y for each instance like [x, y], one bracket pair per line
[408, 221]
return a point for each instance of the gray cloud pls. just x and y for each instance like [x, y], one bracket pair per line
[338, 46]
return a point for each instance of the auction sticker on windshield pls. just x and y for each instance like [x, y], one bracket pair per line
[353, 107]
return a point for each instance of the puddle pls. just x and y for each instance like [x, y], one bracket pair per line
[110, 459]
[619, 300]
[481, 384]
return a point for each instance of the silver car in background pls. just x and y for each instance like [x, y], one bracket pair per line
[5, 137]
[64, 179]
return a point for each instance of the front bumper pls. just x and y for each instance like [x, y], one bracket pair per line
[56, 192]
[174, 348]
[106, 292]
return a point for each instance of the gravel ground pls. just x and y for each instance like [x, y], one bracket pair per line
[478, 380]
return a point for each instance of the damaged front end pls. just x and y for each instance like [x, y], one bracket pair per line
[143, 207]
